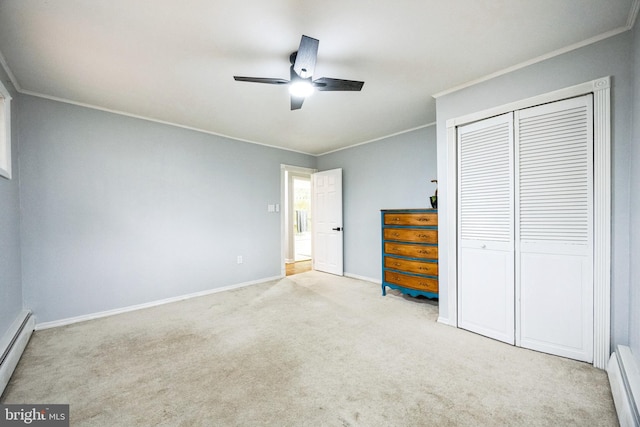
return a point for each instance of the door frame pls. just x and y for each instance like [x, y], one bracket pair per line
[600, 88]
[284, 235]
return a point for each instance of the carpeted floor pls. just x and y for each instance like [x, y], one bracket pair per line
[308, 350]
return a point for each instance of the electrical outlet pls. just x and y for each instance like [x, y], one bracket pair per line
[239, 259]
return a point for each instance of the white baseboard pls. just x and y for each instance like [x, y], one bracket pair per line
[366, 279]
[445, 321]
[98, 315]
[13, 344]
[624, 377]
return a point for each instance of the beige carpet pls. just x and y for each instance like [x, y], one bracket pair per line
[308, 350]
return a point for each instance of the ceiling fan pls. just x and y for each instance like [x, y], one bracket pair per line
[301, 85]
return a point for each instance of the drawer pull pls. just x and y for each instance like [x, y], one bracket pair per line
[396, 219]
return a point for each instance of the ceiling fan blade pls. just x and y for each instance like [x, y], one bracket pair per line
[296, 102]
[327, 84]
[261, 80]
[306, 57]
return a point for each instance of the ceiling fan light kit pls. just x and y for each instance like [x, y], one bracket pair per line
[301, 84]
[301, 89]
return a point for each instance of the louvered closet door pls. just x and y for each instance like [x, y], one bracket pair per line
[486, 228]
[554, 227]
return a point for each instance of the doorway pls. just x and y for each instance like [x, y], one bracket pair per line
[301, 218]
[297, 219]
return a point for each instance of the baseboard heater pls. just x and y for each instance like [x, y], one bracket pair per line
[13, 344]
[624, 377]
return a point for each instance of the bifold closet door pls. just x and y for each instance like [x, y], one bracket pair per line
[554, 228]
[525, 228]
[486, 228]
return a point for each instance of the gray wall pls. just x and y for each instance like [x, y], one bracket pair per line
[394, 172]
[119, 211]
[10, 270]
[634, 318]
[608, 57]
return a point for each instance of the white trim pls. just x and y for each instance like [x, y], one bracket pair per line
[13, 344]
[631, 19]
[14, 80]
[602, 203]
[601, 223]
[624, 378]
[12, 77]
[11, 333]
[16, 84]
[445, 321]
[633, 14]
[150, 119]
[451, 235]
[298, 169]
[195, 129]
[569, 92]
[377, 139]
[5, 65]
[107, 313]
[5, 138]
[364, 278]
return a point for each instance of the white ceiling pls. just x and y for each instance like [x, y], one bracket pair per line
[174, 61]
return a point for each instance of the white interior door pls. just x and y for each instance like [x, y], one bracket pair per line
[486, 281]
[554, 234]
[327, 222]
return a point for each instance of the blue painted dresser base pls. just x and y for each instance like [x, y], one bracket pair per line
[408, 291]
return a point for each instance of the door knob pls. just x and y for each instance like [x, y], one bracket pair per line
[337, 228]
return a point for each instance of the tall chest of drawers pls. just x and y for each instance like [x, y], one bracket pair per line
[410, 251]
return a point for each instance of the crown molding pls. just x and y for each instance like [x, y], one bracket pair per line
[631, 20]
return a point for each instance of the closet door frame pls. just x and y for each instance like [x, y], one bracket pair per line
[600, 88]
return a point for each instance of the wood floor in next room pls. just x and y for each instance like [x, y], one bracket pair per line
[298, 267]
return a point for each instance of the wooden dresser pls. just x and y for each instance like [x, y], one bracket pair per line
[410, 251]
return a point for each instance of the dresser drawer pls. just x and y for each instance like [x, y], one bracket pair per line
[411, 235]
[414, 282]
[413, 251]
[419, 267]
[410, 218]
